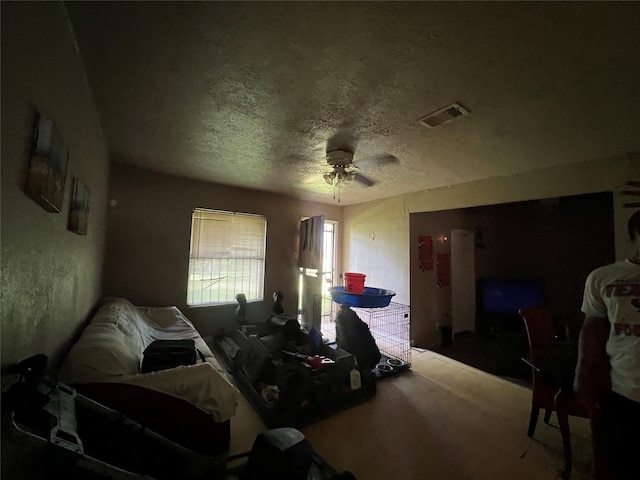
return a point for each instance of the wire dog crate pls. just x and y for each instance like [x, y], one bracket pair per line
[390, 329]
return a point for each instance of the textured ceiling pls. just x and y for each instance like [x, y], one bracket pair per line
[249, 94]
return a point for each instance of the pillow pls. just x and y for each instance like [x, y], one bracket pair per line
[102, 352]
[117, 300]
[124, 316]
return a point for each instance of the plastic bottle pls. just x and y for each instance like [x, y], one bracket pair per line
[354, 377]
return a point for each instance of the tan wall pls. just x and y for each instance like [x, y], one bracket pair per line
[392, 215]
[553, 241]
[50, 276]
[149, 228]
[602, 175]
[376, 243]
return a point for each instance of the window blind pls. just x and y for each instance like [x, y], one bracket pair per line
[227, 257]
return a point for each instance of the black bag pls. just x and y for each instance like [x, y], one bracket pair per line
[164, 354]
[354, 336]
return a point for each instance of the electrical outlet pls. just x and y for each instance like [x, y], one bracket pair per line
[437, 325]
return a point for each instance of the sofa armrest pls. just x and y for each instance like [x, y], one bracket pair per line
[171, 417]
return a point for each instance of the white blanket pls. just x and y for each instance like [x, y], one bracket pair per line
[110, 350]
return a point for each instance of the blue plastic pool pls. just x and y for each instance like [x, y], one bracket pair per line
[371, 297]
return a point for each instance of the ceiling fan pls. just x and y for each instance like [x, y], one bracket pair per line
[343, 169]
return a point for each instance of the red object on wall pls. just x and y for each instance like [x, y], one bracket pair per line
[425, 252]
[443, 270]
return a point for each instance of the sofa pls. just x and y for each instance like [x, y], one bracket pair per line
[191, 404]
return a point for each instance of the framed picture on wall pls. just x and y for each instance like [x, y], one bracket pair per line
[79, 209]
[48, 165]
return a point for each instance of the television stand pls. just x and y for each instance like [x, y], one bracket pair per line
[492, 325]
[508, 343]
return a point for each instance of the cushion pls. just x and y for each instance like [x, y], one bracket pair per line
[102, 351]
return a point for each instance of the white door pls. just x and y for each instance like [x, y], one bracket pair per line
[310, 263]
[463, 281]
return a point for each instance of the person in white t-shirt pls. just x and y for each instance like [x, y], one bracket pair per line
[608, 372]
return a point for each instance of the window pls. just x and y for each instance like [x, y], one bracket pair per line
[227, 257]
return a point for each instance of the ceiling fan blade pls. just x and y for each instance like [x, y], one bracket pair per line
[376, 161]
[362, 179]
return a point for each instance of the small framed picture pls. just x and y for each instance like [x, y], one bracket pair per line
[79, 210]
[48, 165]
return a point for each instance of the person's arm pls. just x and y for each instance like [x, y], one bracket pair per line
[593, 371]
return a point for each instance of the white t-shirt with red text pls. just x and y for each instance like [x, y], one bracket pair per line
[613, 292]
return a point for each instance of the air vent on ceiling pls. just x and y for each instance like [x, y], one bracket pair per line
[443, 115]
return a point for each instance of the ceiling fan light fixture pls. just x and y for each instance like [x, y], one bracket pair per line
[329, 177]
[344, 171]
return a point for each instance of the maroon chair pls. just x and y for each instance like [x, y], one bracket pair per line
[547, 393]
[540, 332]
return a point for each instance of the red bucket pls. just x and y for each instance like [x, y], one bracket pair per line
[354, 282]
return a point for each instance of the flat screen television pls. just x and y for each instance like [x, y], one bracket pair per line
[506, 296]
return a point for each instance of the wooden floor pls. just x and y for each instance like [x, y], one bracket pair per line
[501, 356]
[440, 420]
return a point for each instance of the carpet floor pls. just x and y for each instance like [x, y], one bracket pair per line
[440, 420]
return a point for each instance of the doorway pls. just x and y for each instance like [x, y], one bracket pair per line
[314, 283]
[329, 269]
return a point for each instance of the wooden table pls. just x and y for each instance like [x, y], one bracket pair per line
[558, 361]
